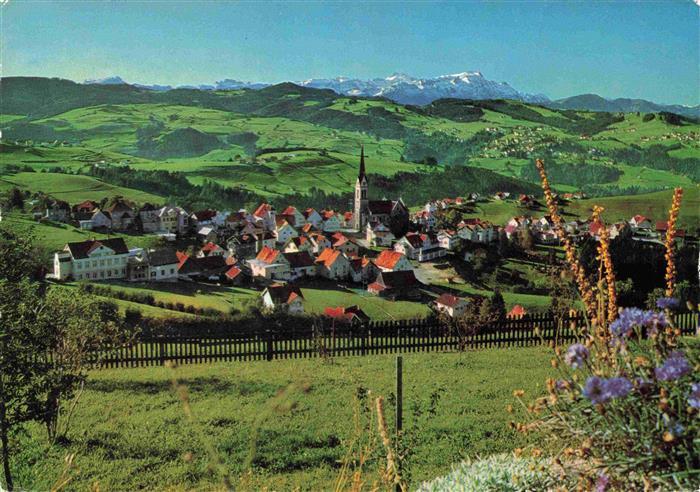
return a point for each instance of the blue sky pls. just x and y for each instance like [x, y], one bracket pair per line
[632, 49]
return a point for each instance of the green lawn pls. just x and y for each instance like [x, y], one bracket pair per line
[329, 295]
[293, 420]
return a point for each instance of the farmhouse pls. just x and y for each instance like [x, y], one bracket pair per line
[270, 264]
[147, 218]
[451, 305]
[173, 219]
[379, 235]
[153, 266]
[121, 214]
[287, 298]
[92, 260]
[421, 247]
[204, 268]
[396, 285]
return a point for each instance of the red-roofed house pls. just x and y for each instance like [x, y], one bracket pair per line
[333, 264]
[265, 214]
[396, 285]
[284, 230]
[331, 222]
[293, 216]
[270, 264]
[211, 249]
[363, 270]
[234, 275]
[343, 243]
[313, 217]
[351, 314]
[392, 261]
[517, 312]
[451, 305]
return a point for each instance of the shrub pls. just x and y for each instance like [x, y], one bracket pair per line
[497, 472]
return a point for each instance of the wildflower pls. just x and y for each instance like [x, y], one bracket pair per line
[694, 398]
[673, 428]
[640, 361]
[667, 303]
[561, 385]
[601, 485]
[669, 243]
[536, 453]
[617, 387]
[631, 318]
[675, 366]
[595, 391]
[518, 393]
[576, 356]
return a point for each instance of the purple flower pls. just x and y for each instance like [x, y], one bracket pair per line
[600, 390]
[630, 318]
[694, 398]
[595, 391]
[561, 385]
[673, 426]
[675, 366]
[576, 356]
[667, 303]
[601, 485]
[617, 387]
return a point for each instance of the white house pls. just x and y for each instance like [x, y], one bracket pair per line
[421, 247]
[284, 297]
[313, 217]
[331, 222]
[173, 219]
[92, 260]
[451, 305]
[270, 264]
[448, 240]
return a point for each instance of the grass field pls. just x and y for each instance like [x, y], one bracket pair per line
[292, 421]
[53, 236]
[73, 189]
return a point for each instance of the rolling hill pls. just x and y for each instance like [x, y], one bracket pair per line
[286, 141]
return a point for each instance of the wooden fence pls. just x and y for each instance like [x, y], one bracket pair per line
[342, 340]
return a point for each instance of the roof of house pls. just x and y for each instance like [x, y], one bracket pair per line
[209, 247]
[263, 210]
[290, 210]
[233, 272]
[388, 259]
[203, 215]
[302, 259]
[148, 207]
[163, 256]
[517, 310]
[358, 264]
[328, 256]
[380, 207]
[119, 206]
[662, 226]
[306, 213]
[268, 255]
[308, 228]
[449, 300]
[393, 280]
[206, 265]
[284, 294]
[639, 218]
[349, 313]
[82, 249]
[89, 204]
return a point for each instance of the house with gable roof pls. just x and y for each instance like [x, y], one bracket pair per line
[284, 231]
[392, 261]
[293, 216]
[286, 297]
[270, 264]
[451, 305]
[265, 214]
[313, 217]
[92, 260]
[333, 264]
[379, 235]
[121, 214]
[421, 247]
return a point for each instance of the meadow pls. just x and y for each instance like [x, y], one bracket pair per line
[281, 425]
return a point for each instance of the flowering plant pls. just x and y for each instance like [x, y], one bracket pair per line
[624, 412]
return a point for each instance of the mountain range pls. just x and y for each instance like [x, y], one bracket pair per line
[405, 89]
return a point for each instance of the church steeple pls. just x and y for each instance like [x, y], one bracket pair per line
[361, 202]
[362, 176]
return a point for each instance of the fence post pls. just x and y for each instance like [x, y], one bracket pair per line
[269, 344]
[161, 351]
[364, 331]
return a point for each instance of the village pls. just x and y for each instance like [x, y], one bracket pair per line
[379, 247]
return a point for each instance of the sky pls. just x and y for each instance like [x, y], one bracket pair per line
[637, 49]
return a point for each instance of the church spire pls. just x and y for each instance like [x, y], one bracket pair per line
[362, 176]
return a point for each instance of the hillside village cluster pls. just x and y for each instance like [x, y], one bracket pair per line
[274, 250]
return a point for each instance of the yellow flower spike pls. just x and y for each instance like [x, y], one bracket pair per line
[669, 243]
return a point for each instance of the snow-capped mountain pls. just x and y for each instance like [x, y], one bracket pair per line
[398, 87]
[406, 89]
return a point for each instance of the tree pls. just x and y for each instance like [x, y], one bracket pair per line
[22, 338]
[498, 305]
[525, 239]
[78, 327]
[15, 199]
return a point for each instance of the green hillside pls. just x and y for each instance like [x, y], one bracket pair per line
[288, 140]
